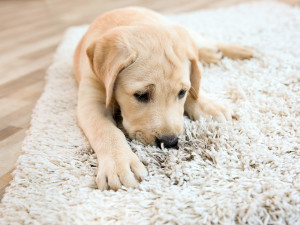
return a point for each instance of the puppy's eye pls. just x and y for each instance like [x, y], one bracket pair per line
[181, 94]
[142, 97]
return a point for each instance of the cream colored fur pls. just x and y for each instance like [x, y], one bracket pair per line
[133, 50]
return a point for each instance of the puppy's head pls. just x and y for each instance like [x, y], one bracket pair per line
[149, 71]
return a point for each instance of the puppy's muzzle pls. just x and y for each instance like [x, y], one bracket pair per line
[168, 141]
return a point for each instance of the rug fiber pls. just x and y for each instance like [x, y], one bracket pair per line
[241, 172]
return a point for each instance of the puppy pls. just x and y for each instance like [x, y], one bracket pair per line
[137, 61]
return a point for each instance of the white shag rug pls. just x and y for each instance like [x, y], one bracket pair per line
[245, 172]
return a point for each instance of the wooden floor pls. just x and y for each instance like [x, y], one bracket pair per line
[30, 33]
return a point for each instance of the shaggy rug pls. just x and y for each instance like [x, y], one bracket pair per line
[241, 172]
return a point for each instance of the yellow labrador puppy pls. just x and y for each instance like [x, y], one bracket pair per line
[135, 60]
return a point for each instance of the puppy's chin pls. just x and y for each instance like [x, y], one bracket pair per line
[141, 137]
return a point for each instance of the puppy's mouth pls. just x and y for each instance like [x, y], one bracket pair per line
[139, 135]
[155, 139]
[159, 141]
[167, 141]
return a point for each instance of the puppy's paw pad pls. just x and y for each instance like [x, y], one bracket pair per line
[139, 170]
[126, 170]
[102, 181]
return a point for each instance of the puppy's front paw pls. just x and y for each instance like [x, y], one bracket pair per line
[119, 169]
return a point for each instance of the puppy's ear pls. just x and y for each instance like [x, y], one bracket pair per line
[195, 78]
[188, 45]
[108, 56]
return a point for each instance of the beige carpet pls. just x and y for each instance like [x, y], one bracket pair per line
[245, 172]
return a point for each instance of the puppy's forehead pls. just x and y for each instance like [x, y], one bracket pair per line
[158, 70]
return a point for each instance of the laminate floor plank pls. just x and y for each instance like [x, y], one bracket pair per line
[9, 158]
[8, 131]
[21, 82]
[14, 118]
[4, 182]
[21, 67]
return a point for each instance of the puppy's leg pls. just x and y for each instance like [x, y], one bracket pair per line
[206, 107]
[211, 51]
[117, 164]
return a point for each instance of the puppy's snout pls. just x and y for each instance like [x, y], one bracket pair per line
[168, 141]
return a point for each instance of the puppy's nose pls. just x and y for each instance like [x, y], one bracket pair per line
[168, 141]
